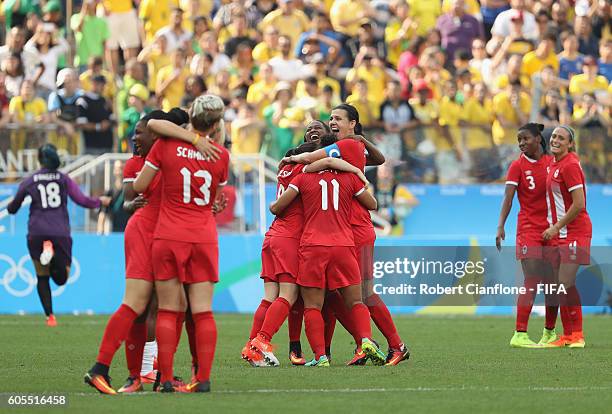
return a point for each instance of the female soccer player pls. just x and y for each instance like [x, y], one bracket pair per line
[49, 240]
[327, 258]
[123, 324]
[185, 247]
[570, 229]
[280, 258]
[345, 124]
[527, 177]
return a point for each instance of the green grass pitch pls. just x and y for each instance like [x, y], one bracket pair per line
[458, 364]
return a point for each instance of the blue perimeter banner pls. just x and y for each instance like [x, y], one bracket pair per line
[97, 279]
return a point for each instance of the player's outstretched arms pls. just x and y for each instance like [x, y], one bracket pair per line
[335, 164]
[503, 214]
[144, 179]
[74, 192]
[283, 201]
[308, 157]
[163, 128]
[367, 200]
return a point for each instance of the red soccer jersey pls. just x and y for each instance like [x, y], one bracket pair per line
[327, 198]
[132, 167]
[354, 153]
[529, 177]
[564, 177]
[291, 222]
[189, 187]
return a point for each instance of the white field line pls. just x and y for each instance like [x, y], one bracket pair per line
[295, 391]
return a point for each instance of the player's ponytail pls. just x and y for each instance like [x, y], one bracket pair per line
[535, 130]
[48, 157]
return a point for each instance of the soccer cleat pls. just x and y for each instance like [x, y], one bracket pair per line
[561, 342]
[522, 340]
[197, 386]
[259, 344]
[296, 359]
[168, 386]
[321, 362]
[254, 358]
[131, 385]
[51, 321]
[360, 358]
[47, 253]
[548, 336]
[149, 377]
[373, 352]
[100, 383]
[576, 340]
[396, 356]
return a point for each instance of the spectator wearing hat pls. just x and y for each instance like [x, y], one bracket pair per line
[33, 67]
[95, 118]
[123, 29]
[176, 36]
[588, 81]
[286, 67]
[288, 20]
[90, 33]
[543, 55]
[137, 108]
[171, 81]
[50, 48]
[501, 27]
[62, 106]
[458, 29]
[95, 67]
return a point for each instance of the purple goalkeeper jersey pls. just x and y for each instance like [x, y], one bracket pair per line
[49, 191]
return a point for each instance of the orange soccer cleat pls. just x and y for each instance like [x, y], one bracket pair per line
[564, 340]
[265, 348]
[131, 385]
[577, 340]
[296, 359]
[396, 356]
[100, 383]
[360, 357]
[51, 321]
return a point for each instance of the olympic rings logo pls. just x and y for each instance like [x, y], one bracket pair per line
[18, 274]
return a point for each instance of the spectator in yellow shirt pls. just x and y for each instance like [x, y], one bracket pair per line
[155, 14]
[448, 156]
[155, 56]
[320, 69]
[512, 108]
[246, 131]
[589, 113]
[171, 81]
[369, 68]
[94, 68]
[588, 81]
[513, 74]
[544, 55]
[426, 13]
[27, 110]
[347, 16]
[400, 31]
[261, 93]
[287, 20]
[268, 48]
[369, 110]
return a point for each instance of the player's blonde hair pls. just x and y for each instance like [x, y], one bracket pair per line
[206, 110]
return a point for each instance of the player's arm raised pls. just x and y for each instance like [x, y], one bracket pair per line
[374, 157]
[305, 157]
[335, 164]
[281, 203]
[165, 128]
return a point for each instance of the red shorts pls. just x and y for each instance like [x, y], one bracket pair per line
[189, 262]
[533, 246]
[138, 240]
[280, 259]
[365, 259]
[575, 250]
[328, 267]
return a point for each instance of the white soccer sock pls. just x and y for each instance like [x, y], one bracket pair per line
[150, 352]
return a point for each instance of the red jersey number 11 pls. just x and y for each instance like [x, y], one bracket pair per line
[204, 188]
[335, 195]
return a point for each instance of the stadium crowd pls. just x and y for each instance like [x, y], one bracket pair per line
[441, 86]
